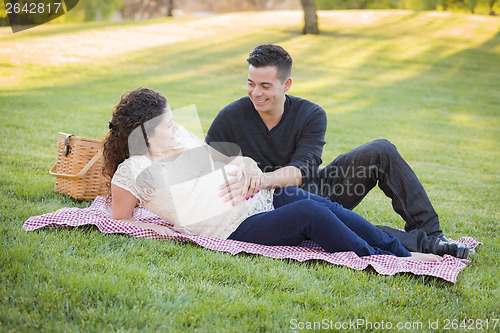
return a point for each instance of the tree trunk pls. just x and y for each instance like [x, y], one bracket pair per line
[310, 17]
[170, 7]
[492, 3]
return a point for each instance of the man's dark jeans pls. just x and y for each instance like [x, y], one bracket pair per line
[349, 178]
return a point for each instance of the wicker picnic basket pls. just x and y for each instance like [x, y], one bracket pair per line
[78, 167]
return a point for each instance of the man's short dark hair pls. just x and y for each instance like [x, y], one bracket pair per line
[272, 55]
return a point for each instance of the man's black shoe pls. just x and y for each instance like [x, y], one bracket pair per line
[444, 239]
[439, 235]
[458, 250]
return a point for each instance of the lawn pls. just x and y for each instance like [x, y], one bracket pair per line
[430, 83]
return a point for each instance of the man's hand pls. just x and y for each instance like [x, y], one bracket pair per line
[247, 181]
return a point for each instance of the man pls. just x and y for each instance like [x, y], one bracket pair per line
[285, 134]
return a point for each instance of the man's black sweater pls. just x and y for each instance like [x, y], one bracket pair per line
[297, 140]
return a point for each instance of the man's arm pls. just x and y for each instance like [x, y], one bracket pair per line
[309, 148]
[249, 180]
[283, 177]
[302, 164]
[306, 159]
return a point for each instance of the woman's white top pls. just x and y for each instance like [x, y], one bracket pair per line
[185, 191]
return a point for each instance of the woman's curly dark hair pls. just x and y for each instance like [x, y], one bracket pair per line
[134, 109]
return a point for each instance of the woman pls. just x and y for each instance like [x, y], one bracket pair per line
[156, 163]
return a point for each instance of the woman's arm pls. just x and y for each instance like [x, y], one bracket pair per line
[122, 208]
[122, 203]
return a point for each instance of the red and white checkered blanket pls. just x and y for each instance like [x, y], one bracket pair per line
[98, 215]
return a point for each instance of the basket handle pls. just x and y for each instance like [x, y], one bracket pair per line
[81, 173]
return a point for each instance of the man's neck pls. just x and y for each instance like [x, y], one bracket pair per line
[272, 118]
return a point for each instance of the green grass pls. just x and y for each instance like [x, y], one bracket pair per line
[430, 84]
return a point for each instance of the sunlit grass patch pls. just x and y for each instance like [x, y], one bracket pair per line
[427, 83]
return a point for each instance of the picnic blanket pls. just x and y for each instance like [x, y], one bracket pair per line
[98, 214]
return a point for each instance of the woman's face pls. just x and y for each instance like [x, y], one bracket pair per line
[163, 140]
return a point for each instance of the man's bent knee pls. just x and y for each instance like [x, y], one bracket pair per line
[384, 146]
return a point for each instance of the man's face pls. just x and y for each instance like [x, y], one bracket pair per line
[266, 91]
